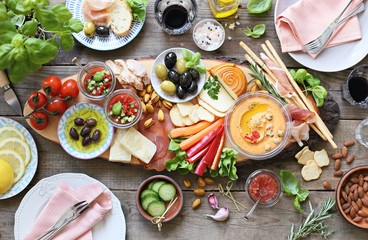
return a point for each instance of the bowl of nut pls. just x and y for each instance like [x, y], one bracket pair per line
[352, 196]
[84, 132]
[159, 198]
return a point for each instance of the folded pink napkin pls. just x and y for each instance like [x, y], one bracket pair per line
[307, 19]
[65, 197]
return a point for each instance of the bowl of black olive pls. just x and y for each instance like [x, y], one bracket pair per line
[84, 132]
[178, 75]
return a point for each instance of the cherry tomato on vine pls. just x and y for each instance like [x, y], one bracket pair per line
[69, 88]
[37, 100]
[51, 85]
[39, 120]
[57, 105]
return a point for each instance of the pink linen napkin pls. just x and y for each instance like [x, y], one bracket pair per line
[307, 19]
[65, 197]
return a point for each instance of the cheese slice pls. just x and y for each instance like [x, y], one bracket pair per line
[222, 104]
[227, 88]
[138, 145]
[185, 108]
[117, 152]
[211, 109]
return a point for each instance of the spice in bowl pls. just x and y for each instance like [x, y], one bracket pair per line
[209, 35]
[264, 185]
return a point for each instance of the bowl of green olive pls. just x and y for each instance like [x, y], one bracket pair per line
[178, 75]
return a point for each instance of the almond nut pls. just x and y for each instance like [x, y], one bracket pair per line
[349, 143]
[201, 182]
[326, 185]
[199, 192]
[149, 88]
[336, 155]
[196, 203]
[209, 180]
[150, 108]
[148, 123]
[160, 115]
[362, 213]
[357, 219]
[337, 164]
[350, 158]
[338, 173]
[365, 202]
[344, 151]
[187, 183]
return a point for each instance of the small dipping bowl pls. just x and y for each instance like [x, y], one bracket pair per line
[176, 207]
[243, 115]
[209, 34]
[266, 181]
[351, 176]
[355, 91]
[93, 68]
[130, 105]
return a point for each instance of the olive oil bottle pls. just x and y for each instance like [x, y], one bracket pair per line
[223, 8]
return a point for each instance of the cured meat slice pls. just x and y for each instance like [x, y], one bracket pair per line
[98, 5]
[301, 114]
[127, 77]
[299, 132]
[99, 18]
[136, 67]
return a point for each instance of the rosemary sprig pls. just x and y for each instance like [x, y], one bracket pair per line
[314, 224]
[258, 74]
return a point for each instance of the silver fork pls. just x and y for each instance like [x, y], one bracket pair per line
[320, 42]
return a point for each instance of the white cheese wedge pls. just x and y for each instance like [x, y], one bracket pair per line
[138, 145]
[117, 152]
[222, 104]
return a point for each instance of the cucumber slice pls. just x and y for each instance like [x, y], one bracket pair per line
[156, 186]
[147, 200]
[151, 184]
[148, 192]
[167, 191]
[156, 208]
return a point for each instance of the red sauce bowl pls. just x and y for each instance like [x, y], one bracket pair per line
[266, 182]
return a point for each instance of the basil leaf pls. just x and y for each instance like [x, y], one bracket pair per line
[187, 55]
[39, 51]
[47, 18]
[6, 55]
[196, 57]
[6, 37]
[297, 205]
[290, 184]
[312, 81]
[248, 32]
[3, 15]
[18, 71]
[29, 28]
[201, 69]
[259, 29]
[300, 75]
[302, 195]
[292, 73]
[189, 64]
[259, 6]
[62, 13]
[67, 42]
[75, 25]
[18, 20]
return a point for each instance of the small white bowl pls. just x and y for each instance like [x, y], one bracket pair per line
[209, 35]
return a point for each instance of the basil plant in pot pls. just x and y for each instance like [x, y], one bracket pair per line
[31, 34]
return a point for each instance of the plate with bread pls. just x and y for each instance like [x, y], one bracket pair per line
[108, 24]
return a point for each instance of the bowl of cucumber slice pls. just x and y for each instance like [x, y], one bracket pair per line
[156, 194]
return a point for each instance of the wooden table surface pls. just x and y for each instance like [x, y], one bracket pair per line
[123, 180]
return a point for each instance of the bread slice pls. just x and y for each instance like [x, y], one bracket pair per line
[121, 18]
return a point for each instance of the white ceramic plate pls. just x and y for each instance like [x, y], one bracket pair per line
[337, 58]
[112, 227]
[74, 147]
[155, 81]
[32, 166]
[101, 43]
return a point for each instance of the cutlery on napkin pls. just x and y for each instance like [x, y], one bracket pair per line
[66, 196]
[307, 19]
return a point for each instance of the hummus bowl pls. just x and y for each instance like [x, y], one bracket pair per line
[258, 126]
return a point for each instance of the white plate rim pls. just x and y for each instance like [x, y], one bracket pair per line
[32, 166]
[156, 82]
[62, 139]
[324, 61]
[45, 187]
[97, 43]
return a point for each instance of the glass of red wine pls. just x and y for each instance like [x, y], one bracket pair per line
[355, 91]
[175, 16]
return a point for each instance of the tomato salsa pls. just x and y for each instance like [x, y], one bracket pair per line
[100, 82]
[123, 109]
[265, 184]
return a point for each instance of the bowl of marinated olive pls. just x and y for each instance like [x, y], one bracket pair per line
[178, 75]
[84, 132]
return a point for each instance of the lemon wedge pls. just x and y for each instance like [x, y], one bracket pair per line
[10, 132]
[15, 161]
[6, 176]
[18, 146]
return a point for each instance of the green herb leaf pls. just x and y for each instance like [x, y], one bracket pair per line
[39, 51]
[138, 9]
[259, 6]
[297, 205]
[187, 55]
[174, 146]
[257, 32]
[201, 69]
[290, 184]
[62, 12]
[67, 42]
[213, 86]
[48, 19]
[6, 55]
[3, 15]
[75, 25]
[29, 28]
[300, 75]
[302, 195]
[312, 81]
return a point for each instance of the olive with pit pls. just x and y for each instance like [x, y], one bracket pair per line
[89, 29]
[86, 141]
[96, 135]
[181, 92]
[161, 71]
[170, 60]
[193, 87]
[168, 87]
[174, 76]
[91, 122]
[102, 31]
[79, 121]
[74, 133]
[195, 74]
[85, 131]
[181, 65]
[185, 80]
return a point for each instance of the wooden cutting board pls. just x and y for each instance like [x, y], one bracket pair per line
[50, 132]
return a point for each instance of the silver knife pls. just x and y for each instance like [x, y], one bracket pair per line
[9, 94]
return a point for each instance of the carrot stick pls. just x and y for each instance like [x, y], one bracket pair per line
[217, 157]
[188, 131]
[198, 136]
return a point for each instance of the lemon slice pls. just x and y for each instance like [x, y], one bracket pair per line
[10, 132]
[15, 161]
[6, 176]
[17, 146]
